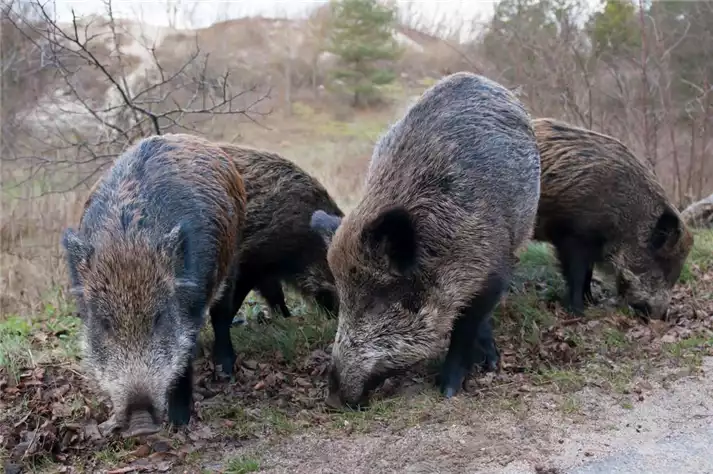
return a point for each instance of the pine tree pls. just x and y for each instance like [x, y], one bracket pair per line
[615, 30]
[362, 38]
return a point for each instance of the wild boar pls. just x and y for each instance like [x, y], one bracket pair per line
[600, 205]
[278, 244]
[155, 249]
[451, 194]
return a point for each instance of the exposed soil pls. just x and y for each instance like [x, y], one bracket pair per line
[543, 440]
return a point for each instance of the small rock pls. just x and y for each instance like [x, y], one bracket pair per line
[160, 447]
[163, 466]
[250, 364]
[588, 454]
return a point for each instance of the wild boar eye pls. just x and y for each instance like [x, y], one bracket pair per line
[104, 324]
[623, 284]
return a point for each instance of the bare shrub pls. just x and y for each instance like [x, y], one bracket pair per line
[85, 91]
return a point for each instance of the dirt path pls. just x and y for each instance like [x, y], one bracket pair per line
[542, 438]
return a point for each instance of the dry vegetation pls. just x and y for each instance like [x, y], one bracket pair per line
[73, 96]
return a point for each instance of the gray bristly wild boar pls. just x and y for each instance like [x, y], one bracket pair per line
[156, 245]
[699, 215]
[451, 194]
[600, 205]
[278, 245]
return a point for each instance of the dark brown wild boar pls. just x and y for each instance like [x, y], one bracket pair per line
[155, 249]
[278, 244]
[451, 194]
[600, 204]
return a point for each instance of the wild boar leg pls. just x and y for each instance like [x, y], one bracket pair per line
[575, 260]
[472, 338]
[180, 398]
[587, 290]
[221, 317]
[328, 302]
[486, 352]
[271, 290]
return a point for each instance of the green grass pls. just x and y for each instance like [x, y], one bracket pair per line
[689, 352]
[615, 378]
[360, 421]
[564, 379]
[292, 337]
[239, 423]
[242, 465]
[115, 452]
[535, 283]
[615, 339]
[570, 405]
[367, 130]
[25, 341]
[701, 256]
[537, 263]
[15, 347]
[51, 334]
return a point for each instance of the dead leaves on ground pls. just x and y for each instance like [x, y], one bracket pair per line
[46, 413]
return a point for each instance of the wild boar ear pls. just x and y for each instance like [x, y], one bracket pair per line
[393, 232]
[325, 225]
[666, 232]
[78, 253]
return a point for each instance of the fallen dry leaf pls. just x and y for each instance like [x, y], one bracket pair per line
[141, 452]
[163, 467]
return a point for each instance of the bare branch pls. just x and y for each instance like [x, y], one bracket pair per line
[102, 99]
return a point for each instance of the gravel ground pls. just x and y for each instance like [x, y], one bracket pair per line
[667, 430]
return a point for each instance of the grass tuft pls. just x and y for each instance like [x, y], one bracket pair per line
[50, 335]
[242, 465]
[700, 258]
[292, 337]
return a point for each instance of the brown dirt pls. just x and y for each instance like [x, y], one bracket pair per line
[542, 440]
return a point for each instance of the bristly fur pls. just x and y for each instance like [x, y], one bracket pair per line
[157, 239]
[451, 193]
[600, 204]
[278, 242]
